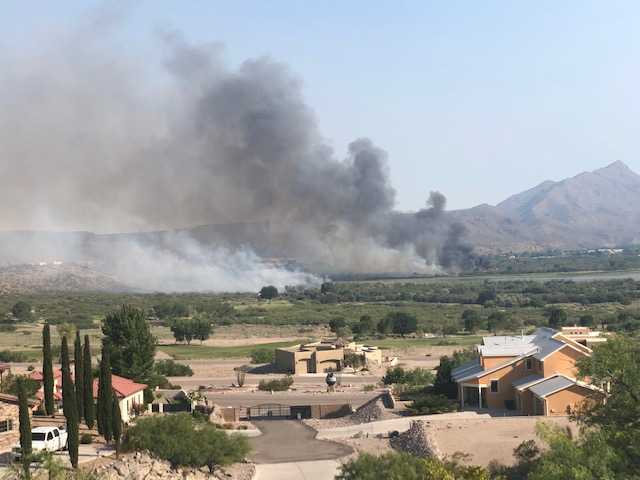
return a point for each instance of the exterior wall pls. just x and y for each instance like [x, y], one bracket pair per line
[525, 402]
[9, 411]
[330, 411]
[127, 404]
[373, 356]
[567, 400]
[505, 376]
[562, 361]
[328, 359]
[492, 362]
[285, 360]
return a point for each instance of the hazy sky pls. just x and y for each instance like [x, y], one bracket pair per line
[476, 99]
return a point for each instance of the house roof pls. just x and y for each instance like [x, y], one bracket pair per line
[551, 385]
[12, 399]
[57, 373]
[540, 344]
[466, 370]
[123, 387]
[525, 382]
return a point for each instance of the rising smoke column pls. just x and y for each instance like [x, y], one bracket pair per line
[91, 140]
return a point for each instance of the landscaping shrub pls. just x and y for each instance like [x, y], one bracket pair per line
[182, 442]
[12, 356]
[263, 355]
[170, 368]
[86, 438]
[277, 385]
[417, 376]
[430, 403]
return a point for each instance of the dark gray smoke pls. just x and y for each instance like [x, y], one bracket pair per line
[92, 140]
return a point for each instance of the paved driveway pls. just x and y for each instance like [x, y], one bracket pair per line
[318, 470]
[292, 441]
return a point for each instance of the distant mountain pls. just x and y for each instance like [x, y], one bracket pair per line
[592, 209]
[59, 277]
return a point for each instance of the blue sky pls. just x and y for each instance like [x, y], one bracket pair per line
[479, 100]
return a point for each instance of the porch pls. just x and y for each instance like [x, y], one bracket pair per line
[473, 396]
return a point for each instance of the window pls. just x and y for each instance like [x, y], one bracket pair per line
[494, 386]
[529, 363]
[6, 425]
[50, 436]
[56, 433]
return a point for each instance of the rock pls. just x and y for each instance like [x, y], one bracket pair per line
[417, 441]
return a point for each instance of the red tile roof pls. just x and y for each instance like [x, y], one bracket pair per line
[57, 373]
[122, 386]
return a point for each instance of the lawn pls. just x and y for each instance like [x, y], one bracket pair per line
[195, 351]
[454, 340]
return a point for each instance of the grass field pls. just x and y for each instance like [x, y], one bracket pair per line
[401, 343]
[194, 351]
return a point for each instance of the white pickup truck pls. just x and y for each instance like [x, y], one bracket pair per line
[45, 439]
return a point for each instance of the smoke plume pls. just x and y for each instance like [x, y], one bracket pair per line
[93, 139]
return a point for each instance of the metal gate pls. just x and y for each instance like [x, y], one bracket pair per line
[269, 410]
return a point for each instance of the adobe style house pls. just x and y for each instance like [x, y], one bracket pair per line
[9, 420]
[323, 356]
[532, 374]
[129, 393]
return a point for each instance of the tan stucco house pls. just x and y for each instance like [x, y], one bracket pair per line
[533, 374]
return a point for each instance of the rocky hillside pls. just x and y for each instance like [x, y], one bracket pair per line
[592, 209]
[66, 277]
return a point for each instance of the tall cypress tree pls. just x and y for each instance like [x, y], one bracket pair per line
[69, 404]
[105, 396]
[25, 428]
[78, 366]
[47, 370]
[116, 419]
[89, 406]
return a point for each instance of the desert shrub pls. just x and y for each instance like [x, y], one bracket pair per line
[182, 442]
[170, 368]
[263, 355]
[10, 385]
[277, 385]
[86, 438]
[431, 403]
[417, 376]
[12, 356]
[369, 387]
[7, 328]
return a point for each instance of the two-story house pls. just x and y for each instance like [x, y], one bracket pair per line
[533, 374]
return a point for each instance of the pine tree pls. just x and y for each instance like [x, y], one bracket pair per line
[25, 428]
[47, 370]
[78, 366]
[105, 396]
[116, 418]
[89, 406]
[69, 404]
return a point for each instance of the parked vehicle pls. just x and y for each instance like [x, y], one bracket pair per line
[45, 439]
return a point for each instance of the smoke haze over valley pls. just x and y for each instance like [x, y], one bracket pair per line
[91, 140]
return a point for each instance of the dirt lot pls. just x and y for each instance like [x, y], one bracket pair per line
[490, 438]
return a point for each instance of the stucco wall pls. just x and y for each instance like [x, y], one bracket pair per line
[505, 376]
[571, 397]
[285, 361]
[562, 361]
[9, 411]
[491, 362]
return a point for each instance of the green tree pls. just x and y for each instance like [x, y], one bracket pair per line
[105, 396]
[66, 329]
[557, 317]
[403, 466]
[25, 429]
[78, 366]
[202, 329]
[385, 325]
[47, 370]
[587, 321]
[615, 364]
[337, 324]
[22, 311]
[443, 383]
[269, 292]
[130, 343]
[69, 405]
[87, 389]
[472, 320]
[116, 419]
[365, 326]
[403, 323]
[497, 321]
